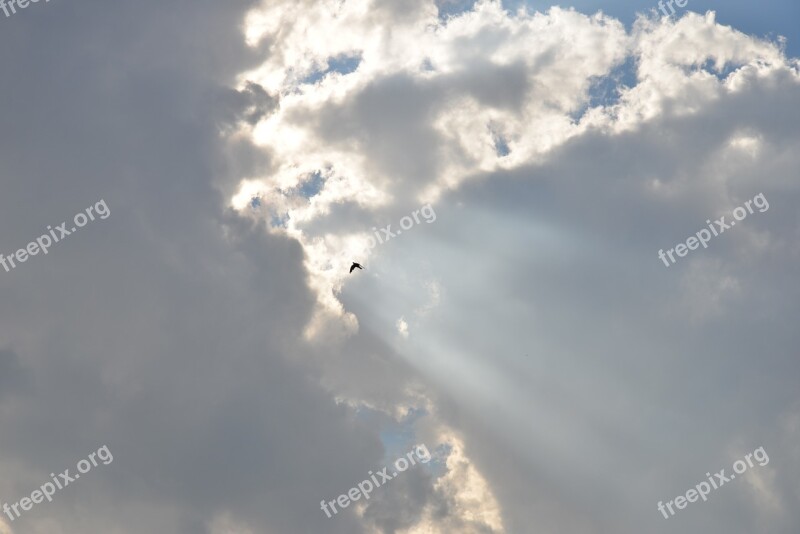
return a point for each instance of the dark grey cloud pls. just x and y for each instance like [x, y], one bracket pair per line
[13, 377]
[172, 330]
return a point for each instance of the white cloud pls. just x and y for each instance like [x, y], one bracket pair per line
[423, 118]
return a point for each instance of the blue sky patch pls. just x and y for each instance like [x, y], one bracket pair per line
[606, 90]
[344, 64]
[312, 186]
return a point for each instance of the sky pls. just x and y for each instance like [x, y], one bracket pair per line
[579, 232]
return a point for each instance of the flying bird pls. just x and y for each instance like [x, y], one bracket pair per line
[358, 265]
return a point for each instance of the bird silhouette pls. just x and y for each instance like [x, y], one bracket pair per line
[355, 265]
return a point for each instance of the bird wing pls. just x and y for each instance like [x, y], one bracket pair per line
[352, 267]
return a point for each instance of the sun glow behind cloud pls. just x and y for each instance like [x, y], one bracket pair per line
[436, 106]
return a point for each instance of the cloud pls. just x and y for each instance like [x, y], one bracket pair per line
[545, 234]
[239, 374]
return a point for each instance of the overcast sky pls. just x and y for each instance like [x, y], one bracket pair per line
[520, 324]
